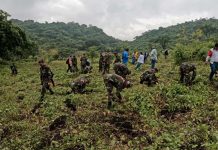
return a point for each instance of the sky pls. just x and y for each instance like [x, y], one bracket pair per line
[122, 19]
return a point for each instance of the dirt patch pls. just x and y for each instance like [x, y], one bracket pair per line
[129, 124]
[76, 147]
[59, 122]
[171, 115]
[4, 132]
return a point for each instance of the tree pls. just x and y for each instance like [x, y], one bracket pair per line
[163, 41]
[208, 30]
[13, 39]
[92, 52]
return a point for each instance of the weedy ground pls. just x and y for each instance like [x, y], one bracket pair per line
[168, 115]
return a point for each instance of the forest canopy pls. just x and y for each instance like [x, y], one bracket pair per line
[66, 37]
[13, 40]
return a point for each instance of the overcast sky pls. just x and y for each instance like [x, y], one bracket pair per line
[123, 19]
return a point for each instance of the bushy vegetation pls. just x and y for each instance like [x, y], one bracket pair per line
[196, 50]
[13, 40]
[168, 115]
[66, 37]
[185, 33]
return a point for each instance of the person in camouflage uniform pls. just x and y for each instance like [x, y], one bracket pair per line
[74, 64]
[100, 62]
[46, 77]
[117, 58]
[79, 85]
[13, 69]
[88, 69]
[83, 61]
[115, 81]
[149, 77]
[121, 70]
[187, 73]
[106, 62]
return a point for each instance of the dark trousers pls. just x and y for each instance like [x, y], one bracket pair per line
[69, 68]
[45, 86]
[153, 62]
[214, 68]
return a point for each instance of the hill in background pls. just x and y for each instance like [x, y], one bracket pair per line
[193, 37]
[185, 33]
[66, 36]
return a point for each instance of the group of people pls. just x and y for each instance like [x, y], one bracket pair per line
[138, 58]
[72, 64]
[118, 79]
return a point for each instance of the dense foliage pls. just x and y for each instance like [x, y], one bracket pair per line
[185, 33]
[66, 37]
[13, 40]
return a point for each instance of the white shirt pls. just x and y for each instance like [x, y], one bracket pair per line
[141, 59]
[213, 57]
[153, 54]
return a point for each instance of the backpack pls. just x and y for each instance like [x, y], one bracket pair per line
[67, 62]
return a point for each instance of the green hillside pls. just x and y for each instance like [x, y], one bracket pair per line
[185, 33]
[66, 36]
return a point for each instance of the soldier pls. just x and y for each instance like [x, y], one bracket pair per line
[69, 63]
[121, 70]
[187, 73]
[117, 58]
[149, 77]
[100, 62]
[87, 69]
[79, 85]
[13, 69]
[83, 61]
[46, 76]
[106, 62]
[74, 64]
[114, 80]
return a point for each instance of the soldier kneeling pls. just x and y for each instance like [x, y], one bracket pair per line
[79, 85]
[116, 81]
[187, 73]
[88, 68]
[149, 77]
[121, 70]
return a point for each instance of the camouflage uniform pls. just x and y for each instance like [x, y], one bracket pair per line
[78, 86]
[121, 70]
[187, 73]
[46, 76]
[117, 59]
[74, 64]
[83, 61]
[100, 62]
[13, 69]
[148, 77]
[106, 63]
[114, 80]
[87, 69]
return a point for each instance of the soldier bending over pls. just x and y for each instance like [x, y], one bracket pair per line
[115, 81]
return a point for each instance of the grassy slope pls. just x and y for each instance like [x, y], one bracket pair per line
[96, 127]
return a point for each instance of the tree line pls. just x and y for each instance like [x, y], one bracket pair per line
[20, 39]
